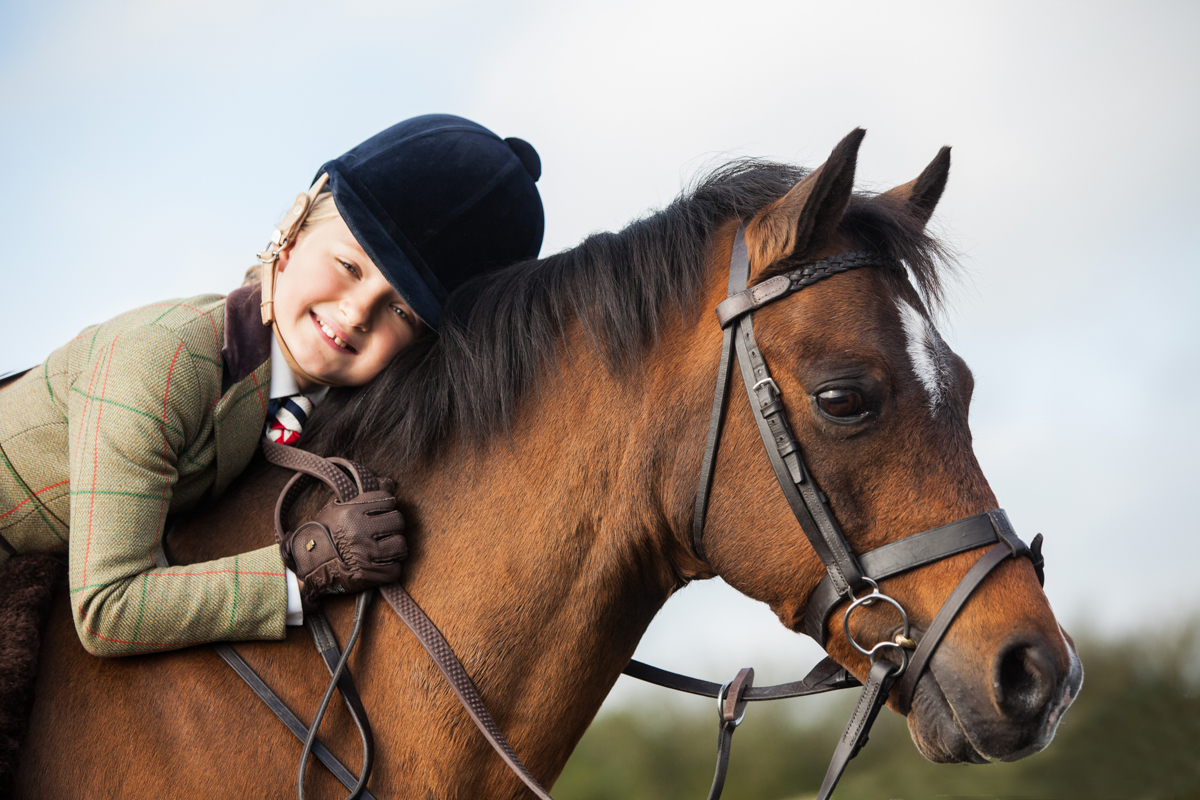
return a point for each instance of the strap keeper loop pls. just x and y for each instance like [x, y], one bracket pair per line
[771, 407]
[792, 462]
[1005, 534]
[1035, 555]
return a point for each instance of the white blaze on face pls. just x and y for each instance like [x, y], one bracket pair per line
[929, 355]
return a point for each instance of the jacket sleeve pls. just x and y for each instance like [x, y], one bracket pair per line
[136, 405]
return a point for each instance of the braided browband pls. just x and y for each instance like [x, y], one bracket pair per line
[770, 290]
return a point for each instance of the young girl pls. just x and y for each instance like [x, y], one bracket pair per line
[161, 408]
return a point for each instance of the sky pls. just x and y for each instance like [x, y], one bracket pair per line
[150, 148]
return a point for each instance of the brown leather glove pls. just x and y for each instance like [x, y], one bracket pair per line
[349, 547]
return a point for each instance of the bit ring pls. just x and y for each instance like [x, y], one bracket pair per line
[870, 599]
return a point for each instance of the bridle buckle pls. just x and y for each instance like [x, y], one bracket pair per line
[765, 382]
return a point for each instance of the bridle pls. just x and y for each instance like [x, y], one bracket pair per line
[848, 577]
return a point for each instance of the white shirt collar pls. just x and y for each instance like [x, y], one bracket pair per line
[283, 382]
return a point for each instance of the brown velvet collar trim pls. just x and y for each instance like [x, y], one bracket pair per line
[247, 340]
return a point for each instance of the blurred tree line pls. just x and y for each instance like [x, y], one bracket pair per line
[1134, 732]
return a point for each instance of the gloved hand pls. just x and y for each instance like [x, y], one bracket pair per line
[349, 547]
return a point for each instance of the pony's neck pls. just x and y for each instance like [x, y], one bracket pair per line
[541, 558]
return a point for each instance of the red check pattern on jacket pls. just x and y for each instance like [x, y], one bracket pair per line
[118, 428]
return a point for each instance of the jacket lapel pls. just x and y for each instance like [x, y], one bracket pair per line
[241, 411]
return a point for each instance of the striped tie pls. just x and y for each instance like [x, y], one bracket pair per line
[286, 417]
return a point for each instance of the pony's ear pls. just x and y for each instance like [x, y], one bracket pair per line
[921, 196]
[803, 219]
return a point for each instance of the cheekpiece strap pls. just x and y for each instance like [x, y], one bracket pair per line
[806, 501]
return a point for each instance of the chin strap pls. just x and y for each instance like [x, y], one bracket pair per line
[269, 258]
[291, 360]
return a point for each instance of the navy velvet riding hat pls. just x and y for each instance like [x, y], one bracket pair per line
[436, 200]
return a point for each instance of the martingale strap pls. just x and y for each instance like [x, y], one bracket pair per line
[288, 717]
[731, 709]
[826, 676]
[341, 679]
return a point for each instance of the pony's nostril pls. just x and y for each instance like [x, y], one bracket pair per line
[1023, 681]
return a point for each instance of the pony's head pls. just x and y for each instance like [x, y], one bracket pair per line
[878, 404]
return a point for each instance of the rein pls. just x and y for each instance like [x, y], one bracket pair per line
[848, 577]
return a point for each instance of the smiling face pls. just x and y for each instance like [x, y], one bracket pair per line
[341, 319]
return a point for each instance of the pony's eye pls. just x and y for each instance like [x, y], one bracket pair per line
[841, 403]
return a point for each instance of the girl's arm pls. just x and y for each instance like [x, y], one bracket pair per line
[135, 407]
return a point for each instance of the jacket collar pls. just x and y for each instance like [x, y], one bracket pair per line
[247, 340]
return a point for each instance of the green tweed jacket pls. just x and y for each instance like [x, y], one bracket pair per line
[144, 415]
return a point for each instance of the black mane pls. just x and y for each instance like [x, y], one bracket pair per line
[501, 332]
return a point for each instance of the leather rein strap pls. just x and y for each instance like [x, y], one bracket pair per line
[288, 717]
[333, 472]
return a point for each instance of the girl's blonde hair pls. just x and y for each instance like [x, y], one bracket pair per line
[323, 210]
